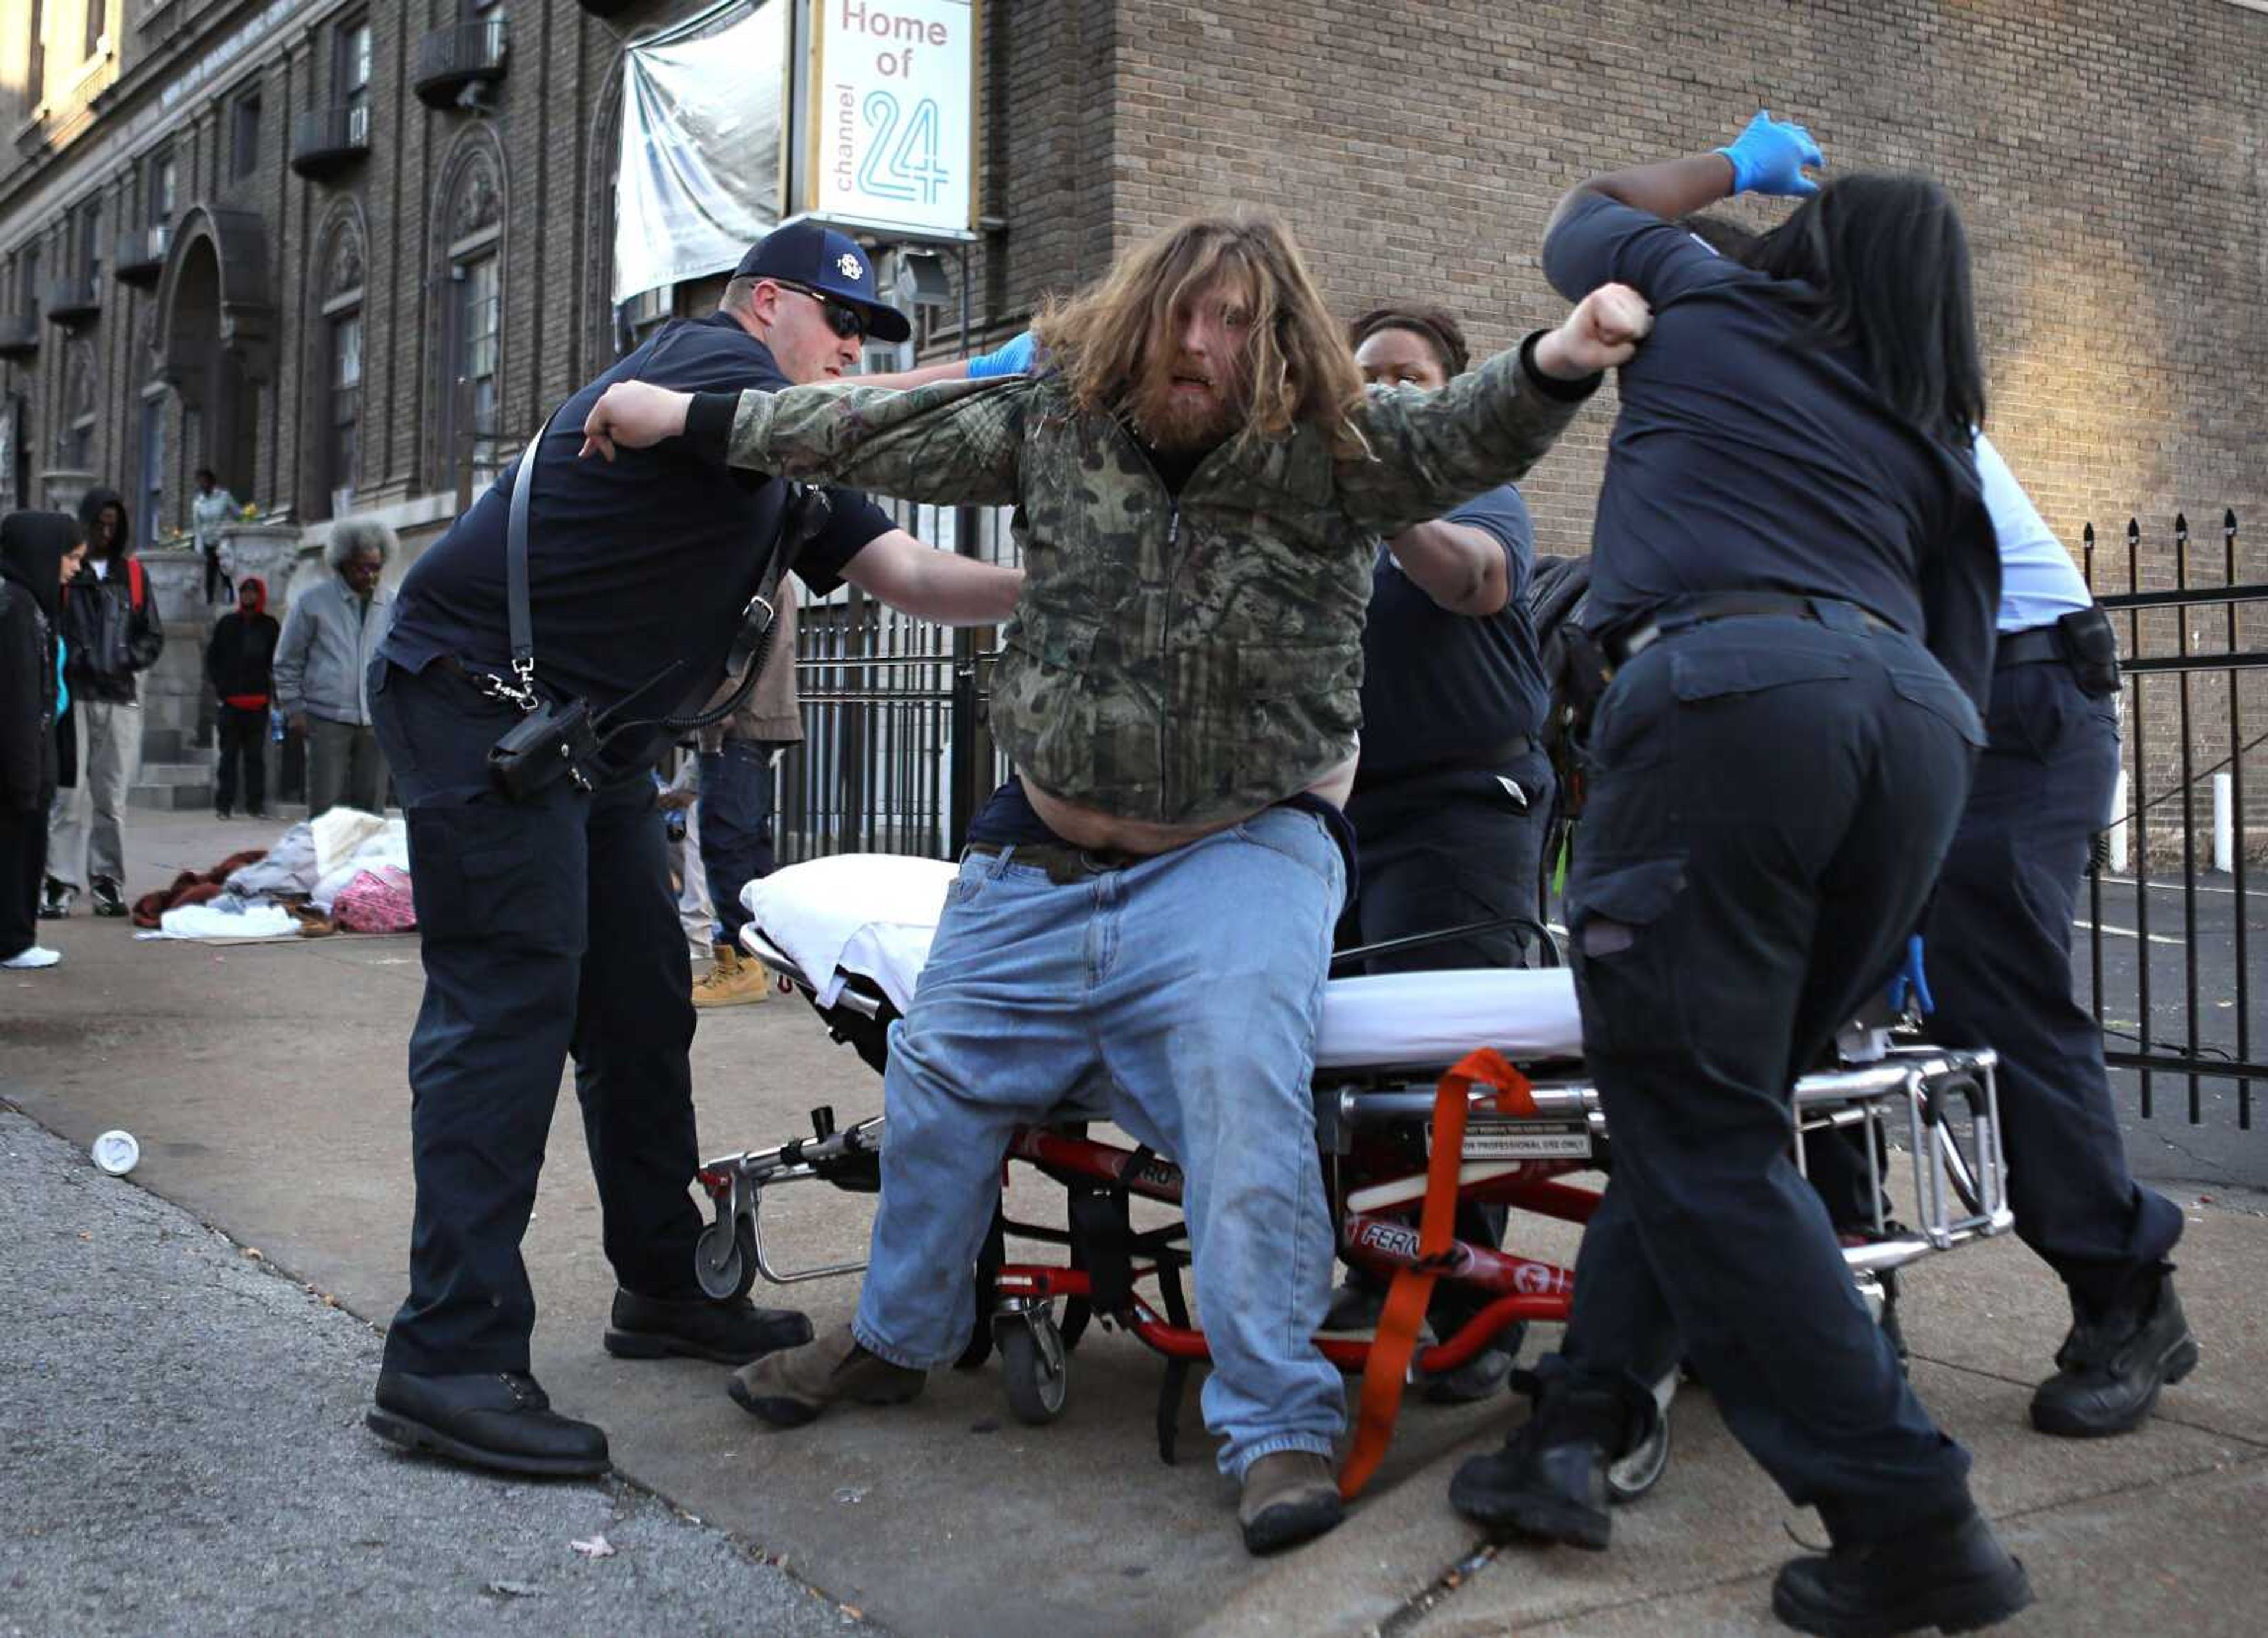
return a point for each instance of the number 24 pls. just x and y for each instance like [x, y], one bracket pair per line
[911, 171]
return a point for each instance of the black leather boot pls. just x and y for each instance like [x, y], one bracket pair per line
[501, 1420]
[730, 1333]
[1549, 1483]
[1955, 1576]
[2115, 1360]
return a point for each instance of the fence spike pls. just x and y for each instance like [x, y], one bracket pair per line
[2229, 521]
[2182, 525]
[2133, 531]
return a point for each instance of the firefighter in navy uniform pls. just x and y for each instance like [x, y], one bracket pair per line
[1793, 589]
[547, 924]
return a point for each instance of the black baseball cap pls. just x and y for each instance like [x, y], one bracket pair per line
[820, 259]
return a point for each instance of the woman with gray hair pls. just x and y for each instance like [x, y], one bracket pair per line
[334, 628]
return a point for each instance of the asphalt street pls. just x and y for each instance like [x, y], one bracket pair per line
[2171, 932]
[180, 1429]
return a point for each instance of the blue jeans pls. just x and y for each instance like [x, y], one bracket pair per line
[1178, 998]
[736, 827]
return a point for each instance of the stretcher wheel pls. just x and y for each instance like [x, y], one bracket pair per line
[725, 1259]
[1077, 1312]
[1033, 1365]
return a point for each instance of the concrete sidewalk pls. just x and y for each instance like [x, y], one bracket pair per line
[185, 1454]
[266, 1086]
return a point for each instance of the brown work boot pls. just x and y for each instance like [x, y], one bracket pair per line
[733, 981]
[1289, 1497]
[790, 1387]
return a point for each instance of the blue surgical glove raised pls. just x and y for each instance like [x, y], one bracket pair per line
[1770, 156]
[1014, 359]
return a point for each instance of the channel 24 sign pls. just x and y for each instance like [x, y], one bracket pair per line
[893, 105]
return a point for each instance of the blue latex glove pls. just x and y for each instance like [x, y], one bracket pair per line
[1770, 156]
[1014, 359]
[1912, 979]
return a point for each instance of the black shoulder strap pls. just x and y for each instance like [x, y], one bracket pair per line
[803, 513]
[515, 551]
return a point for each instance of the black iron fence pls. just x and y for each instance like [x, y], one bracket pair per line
[896, 759]
[2171, 898]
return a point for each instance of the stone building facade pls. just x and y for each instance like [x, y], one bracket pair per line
[348, 252]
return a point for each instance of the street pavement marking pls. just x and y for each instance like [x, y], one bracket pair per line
[2128, 932]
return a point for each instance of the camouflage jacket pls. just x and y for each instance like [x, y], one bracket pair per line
[1180, 659]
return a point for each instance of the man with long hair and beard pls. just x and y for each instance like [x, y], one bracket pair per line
[1142, 923]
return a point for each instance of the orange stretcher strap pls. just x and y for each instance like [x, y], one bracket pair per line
[1406, 1299]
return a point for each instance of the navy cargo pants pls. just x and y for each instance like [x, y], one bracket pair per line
[548, 929]
[1769, 799]
[1999, 953]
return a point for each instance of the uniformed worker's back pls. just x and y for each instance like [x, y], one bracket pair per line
[1746, 456]
[635, 563]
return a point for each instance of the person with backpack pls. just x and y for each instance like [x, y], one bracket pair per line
[1790, 629]
[110, 623]
[1453, 795]
[240, 664]
[38, 552]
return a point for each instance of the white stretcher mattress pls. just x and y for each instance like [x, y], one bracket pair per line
[874, 914]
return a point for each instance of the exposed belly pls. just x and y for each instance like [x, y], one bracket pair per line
[1098, 832]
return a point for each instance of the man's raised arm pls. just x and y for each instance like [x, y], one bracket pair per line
[1431, 451]
[949, 444]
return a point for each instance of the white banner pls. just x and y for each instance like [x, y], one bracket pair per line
[892, 113]
[698, 178]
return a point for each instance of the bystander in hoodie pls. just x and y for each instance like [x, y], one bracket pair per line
[37, 550]
[240, 664]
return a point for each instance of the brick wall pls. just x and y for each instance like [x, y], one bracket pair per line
[2111, 161]
[2109, 157]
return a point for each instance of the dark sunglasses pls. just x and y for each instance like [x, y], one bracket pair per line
[845, 319]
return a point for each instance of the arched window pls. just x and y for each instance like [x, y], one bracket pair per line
[334, 332]
[467, 330]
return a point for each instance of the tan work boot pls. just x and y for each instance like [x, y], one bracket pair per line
[790, 1387]
[733, 981]
[1289, 1497]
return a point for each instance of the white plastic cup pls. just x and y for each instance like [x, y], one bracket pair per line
[117, 1152]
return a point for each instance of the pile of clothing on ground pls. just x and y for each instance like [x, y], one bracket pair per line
[348, 872]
